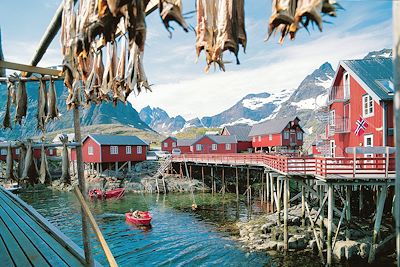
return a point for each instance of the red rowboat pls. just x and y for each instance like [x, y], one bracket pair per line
[144, 218]
[97, 193]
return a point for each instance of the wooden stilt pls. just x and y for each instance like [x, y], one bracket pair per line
[180, 170]
[223, 180]
[248, 186]
[212, 180]
[190, 172]
[278, 200]
[377, 225]
[272, 191]
[348, 212]
[202, 177]
[330, 221]
[129, 166]
[262, 189]
[116, 168]
[303, 208]
[237, 186]
[285, 214]
[322, 213]
[267, 188]
[361, 200]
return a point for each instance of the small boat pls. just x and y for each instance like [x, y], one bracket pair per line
[99, 194]
[143, 218]
[13, 188]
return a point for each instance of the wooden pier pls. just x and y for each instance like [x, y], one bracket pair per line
[28, 239]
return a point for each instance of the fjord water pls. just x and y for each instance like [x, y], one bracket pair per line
[178, 236]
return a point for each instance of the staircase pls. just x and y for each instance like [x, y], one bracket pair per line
[161, 170]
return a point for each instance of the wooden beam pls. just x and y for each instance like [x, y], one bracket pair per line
[29, 68]
[329, 255]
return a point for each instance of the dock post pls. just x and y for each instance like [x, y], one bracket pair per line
[267, 187]
[272, 191]
[330, 221]
[285, 214]
[348, 212]
[377, 225]
[262, 189]
[322, 213]
[223, 181]
[248, 186]
[202, 176]
[360, 200]
[212, 180]
[237, 186]
[180, 170]
[190, 171]
[278, 200]
[303, 207]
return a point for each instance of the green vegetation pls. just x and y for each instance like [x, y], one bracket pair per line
[194, 132]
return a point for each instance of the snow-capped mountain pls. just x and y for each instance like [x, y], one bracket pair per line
[159, 120]
[387, 53]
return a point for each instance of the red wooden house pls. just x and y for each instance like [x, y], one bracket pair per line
[36, 153]
[361, 105]
[168, 144]
[277, 135]
[242, 135]
[214, 144]
[112, 149]
[185, 145]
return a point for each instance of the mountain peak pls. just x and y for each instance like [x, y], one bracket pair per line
[385, 53]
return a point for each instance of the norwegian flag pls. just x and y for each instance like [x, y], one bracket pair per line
[361, 126]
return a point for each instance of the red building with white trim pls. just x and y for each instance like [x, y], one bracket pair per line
[242, 135]
[168, 144]
[277, 135]
[214, 144]
[362, 90]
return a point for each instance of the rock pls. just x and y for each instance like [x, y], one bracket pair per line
[266, 228]
[271, 245]
[364, 250]
[292, 243]
[313, 246]
[346, 249]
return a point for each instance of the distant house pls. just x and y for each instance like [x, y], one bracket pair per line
[112, 149]
[214, 144]
[185, 145]
[242, 136]
[277, 134]
[361, 105]
[168, 144]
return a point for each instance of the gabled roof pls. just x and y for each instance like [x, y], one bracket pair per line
[185, 142]
[241, 131]
[169, 137]
[117, 140]
[371, 74]
[270, 126]
[219, 139]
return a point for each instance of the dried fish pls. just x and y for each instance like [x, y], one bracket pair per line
[65, 175]
[9, 164]
[52, 102]
[42, 106]
[242, 36]
[329, 7]
[283, 12]
[7, 118]
[30, 170]
[119, 86]
[171, 10]
[22, 102]
[108, 74]
[307, 11]
[44, 174]
[21, 161]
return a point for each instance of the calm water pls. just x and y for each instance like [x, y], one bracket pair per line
[178, 236]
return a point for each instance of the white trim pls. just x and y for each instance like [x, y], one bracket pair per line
[139, 150]
[114, 149]
[128, 150]
[90, 151]
[228, 146]
[214, 147]
[332, 148]
[363, 106]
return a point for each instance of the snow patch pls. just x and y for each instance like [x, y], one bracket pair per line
[311, 103]
[324, 83]
[277, 98]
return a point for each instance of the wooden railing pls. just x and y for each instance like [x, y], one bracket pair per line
[318, 166]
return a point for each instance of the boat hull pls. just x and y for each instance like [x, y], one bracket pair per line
[145, 220]
[98, 194]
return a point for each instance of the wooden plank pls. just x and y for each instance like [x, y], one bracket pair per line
[5, 256]
[25, 244]
[370, 150]
[29, 68]
[13, 247]
[39, 235]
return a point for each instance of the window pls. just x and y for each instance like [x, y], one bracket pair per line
[332, 117]
[50, 151]
[254, 139]
[128, 150]
[214, 147]
[259, 138]
[332, 148]
[17, 151]
[173, 144]
[90, 150]
[199, 147]
[139, 149]
[191, 148]
[113, 150]
[299, 135]
[3, 151]
[227, 146]
[346, 87]
[368, 106]
[270, 137]
[165, 144]
[286, 135]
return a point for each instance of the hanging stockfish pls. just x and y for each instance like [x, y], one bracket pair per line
[307, 11]
[44, 174]
[65, 175]
[7, 118]
[21, 161]
[329, 7]
[52, 109]
[9, 164]
[22, 102]
[119, 85]
[171, 10]
[42, 106]
[30, 170]
[282, 17]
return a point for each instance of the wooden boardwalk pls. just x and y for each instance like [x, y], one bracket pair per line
[28, 239]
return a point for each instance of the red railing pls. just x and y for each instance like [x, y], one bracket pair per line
[301, 165]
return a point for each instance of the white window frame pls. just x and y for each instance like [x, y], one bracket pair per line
[286, 135]
[199, 147]
[191, 148]
[90, 150]
[332, 148]
[128, 150]
[214, 147]
[259, 138]
[165, 144]
[114, 150]
[51, 151]
[254, 139]
[332, 114]
[17, 151]
[299, 136]
[139, 150]
[346, 85]
[367, 106]
[228, 146]
[3, 151]
[270, 137]
[173, 144]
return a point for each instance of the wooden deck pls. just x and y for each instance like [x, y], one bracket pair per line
[318, 167]
[28, 239]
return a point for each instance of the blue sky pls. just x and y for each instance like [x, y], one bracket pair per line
[181, 86]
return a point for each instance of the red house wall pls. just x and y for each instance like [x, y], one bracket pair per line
[207, 144]
[4, 157]
[375, 122]
[243, 145]
[122, 156]
[169, 142]
[265, 142]
[185, 149]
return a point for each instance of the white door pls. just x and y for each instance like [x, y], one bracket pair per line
[369, 142]
[332, 148]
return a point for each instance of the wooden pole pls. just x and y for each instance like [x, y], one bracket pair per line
[82, 186]
[237, 185]
[303, 207]
[267, 188]
[348, 212]
[212, 180]
[262, 189]
[190, 171]
[285, 214]
[330, 221]
[96, 229]
[361, 200]
[202, 177]
[377, 225]
[396, 83]
[272, 192]
[248, 186]
[322, 213]
[223, 181]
